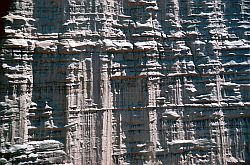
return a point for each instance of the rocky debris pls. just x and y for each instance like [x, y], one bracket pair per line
[35, 152]
[125, 82]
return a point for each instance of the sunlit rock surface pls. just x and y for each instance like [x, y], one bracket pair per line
[121, 82]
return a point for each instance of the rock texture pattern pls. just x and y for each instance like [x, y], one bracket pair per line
[120, 82]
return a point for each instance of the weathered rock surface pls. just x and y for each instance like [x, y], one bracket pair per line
[125, 82]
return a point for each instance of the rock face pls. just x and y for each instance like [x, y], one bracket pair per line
[120, 82]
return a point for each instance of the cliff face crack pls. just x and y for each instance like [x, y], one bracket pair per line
[135, 82]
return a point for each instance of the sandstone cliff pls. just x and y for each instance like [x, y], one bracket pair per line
[125, 82]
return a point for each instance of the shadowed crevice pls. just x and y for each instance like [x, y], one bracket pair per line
[4, 8]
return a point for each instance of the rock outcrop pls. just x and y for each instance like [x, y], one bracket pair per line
[125, 82]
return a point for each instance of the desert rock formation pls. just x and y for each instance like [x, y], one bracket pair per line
[118, 82]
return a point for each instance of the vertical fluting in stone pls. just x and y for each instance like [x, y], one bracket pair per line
[16, 74]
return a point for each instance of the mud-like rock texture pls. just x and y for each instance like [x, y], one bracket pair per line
[121, 82]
